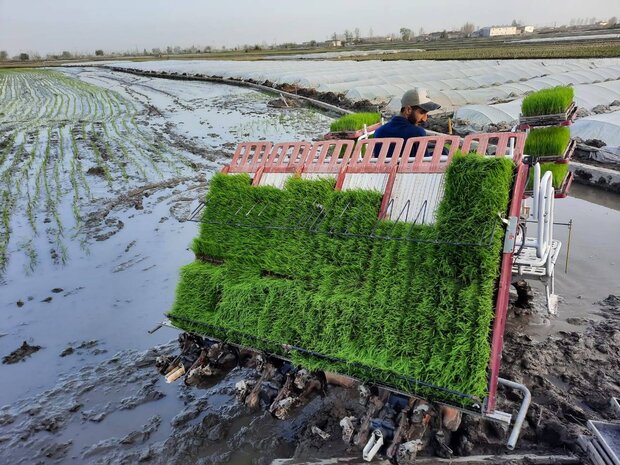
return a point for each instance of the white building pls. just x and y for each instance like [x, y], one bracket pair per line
[494, 31]
[528, 29]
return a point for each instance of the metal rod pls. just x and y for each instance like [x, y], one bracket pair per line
[527, 398]
[570, 235]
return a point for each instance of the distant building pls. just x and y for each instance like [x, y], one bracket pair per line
[494, 31]
[336, 43]
[528, 29]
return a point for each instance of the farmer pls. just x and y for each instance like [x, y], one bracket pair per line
[414, 108]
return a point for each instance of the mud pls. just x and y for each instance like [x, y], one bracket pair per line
[90, 407]
[20, 354]
[209, 425]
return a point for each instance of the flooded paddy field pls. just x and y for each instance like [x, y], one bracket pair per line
[91, 260]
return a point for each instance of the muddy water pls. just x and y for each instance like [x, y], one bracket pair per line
[593, 262]
[104, 402]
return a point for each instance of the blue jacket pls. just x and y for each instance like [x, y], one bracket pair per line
[399, 126]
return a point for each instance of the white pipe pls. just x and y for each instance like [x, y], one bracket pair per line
[544, 197]
[374, 444]
[549, 193]
[536, 188]
[527, 398]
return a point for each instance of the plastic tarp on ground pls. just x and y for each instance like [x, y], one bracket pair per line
[600, 97]
[605, 127]
[482, 91]
[455, 83]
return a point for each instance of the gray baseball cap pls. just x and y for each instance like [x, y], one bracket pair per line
[418, 97]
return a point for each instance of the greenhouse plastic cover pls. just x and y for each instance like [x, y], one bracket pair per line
[482, 91]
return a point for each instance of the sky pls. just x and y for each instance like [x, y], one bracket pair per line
[51, 26]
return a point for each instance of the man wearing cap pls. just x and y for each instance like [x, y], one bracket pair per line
[415, 106]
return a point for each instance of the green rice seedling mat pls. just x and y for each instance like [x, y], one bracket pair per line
[559, 171]
[553, 101]
[312, 268]
[547, 143]
[354, 122]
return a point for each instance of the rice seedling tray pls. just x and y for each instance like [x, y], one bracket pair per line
[351, 134]
[564, 189]
[351, 126]
[560, 192]
[608, 436]
[564, 158]
[559, 119]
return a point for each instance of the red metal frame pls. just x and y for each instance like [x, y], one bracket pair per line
[249, 156]
[503, 294]
[419, 163]
[285, 157]
[501, 140]
[365, 161]
[326, 157]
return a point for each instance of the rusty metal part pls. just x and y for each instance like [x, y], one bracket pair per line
[348, 428]
[375, 404]
[253, 398]
[285, 399]
[408, 452]
[340, 380]
[403, 426]
[364, 394]
[243, 388]
[450, 418]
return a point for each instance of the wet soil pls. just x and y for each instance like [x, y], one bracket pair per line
[74, 402]
[208, 425]
[21, 353]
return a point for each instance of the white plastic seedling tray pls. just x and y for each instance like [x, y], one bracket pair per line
[608, 435]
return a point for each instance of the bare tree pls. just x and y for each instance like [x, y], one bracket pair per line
[356, 34]
[612, 21]
[371, 33]
[24, 57]
[468, 28]
[405, 34]
[348, 36]
[3, 55]
[421, 32]
[65, 54]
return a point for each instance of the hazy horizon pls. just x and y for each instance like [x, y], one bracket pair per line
[117, 26]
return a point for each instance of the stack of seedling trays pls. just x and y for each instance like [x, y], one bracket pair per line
[353, 126]
[547, 114]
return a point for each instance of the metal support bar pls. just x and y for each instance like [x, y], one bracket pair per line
[525, 404]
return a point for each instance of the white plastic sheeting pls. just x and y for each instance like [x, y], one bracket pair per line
[605, 127]
[482, 91]
[452, 83]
